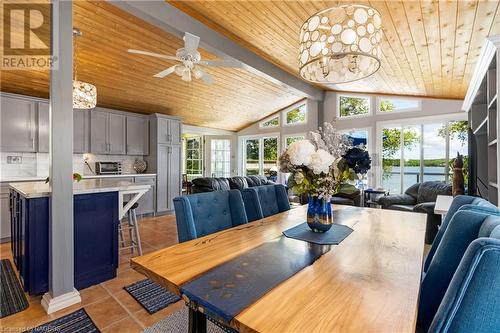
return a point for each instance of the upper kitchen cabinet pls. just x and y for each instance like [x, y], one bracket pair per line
[107, 133]
[137, 135]
[80, 129]
[169, 130]
[17, 125]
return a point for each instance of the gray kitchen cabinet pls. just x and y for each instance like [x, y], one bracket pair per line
[147, 201]
[107, 133]
[17, 125]
[137, 135]
[43, 127]
[80, 129]
[169, 131]
[117, 134]
[98, 132]
[4, 214]
[168, 176]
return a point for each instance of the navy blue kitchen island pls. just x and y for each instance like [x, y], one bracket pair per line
[96, 218]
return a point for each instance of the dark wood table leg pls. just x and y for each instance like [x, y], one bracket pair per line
[197, 321]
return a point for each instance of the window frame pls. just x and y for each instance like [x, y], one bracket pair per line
[277, 116]
[292, 107]
[201, 156]
[367, 97]
[285, 147]
[380, 98]
[260, 137]
[212, 160]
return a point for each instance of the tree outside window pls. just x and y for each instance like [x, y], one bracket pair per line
[353, 106]
[296, 115]
[273, 122]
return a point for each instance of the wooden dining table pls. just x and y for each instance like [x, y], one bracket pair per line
[368, 283]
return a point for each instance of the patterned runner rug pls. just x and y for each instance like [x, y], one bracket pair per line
[12, 297]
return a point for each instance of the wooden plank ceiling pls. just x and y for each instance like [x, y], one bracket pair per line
[125, 81]
[430, 48]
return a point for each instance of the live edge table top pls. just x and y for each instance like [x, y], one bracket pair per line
[368, 283]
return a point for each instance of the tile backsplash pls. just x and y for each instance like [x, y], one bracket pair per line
[37, 164]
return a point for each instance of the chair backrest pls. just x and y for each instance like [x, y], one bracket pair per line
[472, 301]
[201, 214]
[266, 200]
[458, 202]
[464, 227]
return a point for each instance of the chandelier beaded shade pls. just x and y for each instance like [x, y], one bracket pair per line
[341, 44]
[84, 94]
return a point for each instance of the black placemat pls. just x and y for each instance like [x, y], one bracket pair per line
[334, 236]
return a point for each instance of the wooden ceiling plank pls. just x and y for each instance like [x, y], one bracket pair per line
[430, 17]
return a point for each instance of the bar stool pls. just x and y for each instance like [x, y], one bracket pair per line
[133, 230]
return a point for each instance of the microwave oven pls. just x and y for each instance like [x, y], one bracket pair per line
[108, 168]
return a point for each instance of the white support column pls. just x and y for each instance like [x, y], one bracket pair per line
[61, 281]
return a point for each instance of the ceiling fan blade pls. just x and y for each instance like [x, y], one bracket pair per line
[207, 78]
[165, 72]
[191, 42]
[157, 55]
[222, 63]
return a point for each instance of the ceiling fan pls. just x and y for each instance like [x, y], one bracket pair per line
[190, 61]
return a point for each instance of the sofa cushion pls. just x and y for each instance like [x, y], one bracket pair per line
[238, 183]
[404, 208]
[428, 191]
[342, 201]
[209, 184]
[425, 207]
[413, 190]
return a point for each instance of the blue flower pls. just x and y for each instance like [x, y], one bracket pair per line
[358, 159]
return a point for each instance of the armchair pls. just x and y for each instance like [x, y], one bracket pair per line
[421, 198]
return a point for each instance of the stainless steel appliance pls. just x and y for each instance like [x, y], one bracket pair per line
[108, 168]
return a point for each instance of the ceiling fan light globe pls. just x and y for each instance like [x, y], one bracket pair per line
[198, 73]
[186, 76]
[179, 70]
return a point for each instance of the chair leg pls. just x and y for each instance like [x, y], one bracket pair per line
[130, 232]
[120, 230]
[137, 235]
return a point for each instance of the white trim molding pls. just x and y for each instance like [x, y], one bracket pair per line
[488, 51]
[53, 304]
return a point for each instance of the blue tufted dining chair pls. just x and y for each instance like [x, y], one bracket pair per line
[459, 202]
[266, 200]
[201, 214]
[463, 228]
[472, 301]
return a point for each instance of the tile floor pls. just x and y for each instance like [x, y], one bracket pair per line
[111, 308]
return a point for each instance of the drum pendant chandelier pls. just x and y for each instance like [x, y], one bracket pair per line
[341, 44]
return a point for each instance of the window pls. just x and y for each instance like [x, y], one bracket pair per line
[358, 136]
[261, 156]
[420, 152]
[252, 166]
[220, 157]
[297, 115]
[352, 106]
[291, 139]
[388, 105]
[270, 122]
[193, 165]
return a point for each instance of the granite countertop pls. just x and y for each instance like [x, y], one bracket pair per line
[40, 189]
[41, 178]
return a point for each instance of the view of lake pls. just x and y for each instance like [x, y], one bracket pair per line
[410, 177]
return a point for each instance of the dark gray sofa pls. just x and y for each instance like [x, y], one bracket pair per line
[210, 184]
[421, 198]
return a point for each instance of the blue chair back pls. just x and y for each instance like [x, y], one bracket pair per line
[266, 200]
[458, 202]
[201, 214]
[464, 227]
[472, 301]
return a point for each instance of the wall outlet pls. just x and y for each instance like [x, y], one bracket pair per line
[14, 159]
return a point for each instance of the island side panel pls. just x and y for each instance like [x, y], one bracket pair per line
[96, 239]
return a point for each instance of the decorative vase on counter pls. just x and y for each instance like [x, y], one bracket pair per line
[319, 214]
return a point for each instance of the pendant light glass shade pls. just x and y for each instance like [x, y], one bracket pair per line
[341, 44]
[84, 95]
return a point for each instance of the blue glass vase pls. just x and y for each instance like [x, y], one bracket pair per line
[319, 214]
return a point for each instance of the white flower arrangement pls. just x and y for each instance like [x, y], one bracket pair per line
[316, 163]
